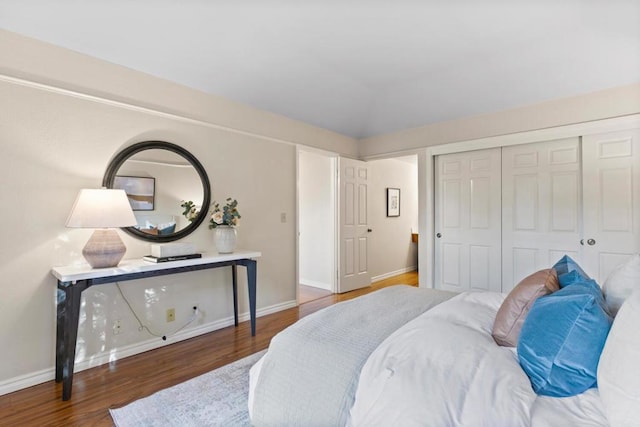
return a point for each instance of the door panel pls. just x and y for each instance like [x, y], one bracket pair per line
[523, 260]
[451, 200]
[353, 270]
[565, 202]
[349, 251]
[363, 252]
[467, 218]
[479, 265]
[480, 212]
[525, 197]
[541, 207]
[451, 266]
[611, 164]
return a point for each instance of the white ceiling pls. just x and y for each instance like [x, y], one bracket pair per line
[359, 68]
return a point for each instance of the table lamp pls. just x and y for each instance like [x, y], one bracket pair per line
[105, 210]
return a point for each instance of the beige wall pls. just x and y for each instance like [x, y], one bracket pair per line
[54, 142]
[32, 60]
[615, 102]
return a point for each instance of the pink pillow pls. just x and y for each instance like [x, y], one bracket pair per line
[514, 309]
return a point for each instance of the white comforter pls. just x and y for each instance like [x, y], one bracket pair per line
[444, 369]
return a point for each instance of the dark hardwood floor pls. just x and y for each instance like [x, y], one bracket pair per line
[116, 384]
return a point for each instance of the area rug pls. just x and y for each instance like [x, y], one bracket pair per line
[217, 398]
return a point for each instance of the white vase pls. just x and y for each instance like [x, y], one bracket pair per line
[225, 239]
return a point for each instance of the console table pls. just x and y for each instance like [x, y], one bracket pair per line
[74, 279]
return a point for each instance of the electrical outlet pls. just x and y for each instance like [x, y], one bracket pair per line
[117, 327]
[171, 314]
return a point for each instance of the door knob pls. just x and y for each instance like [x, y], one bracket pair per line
[591, 242]
[582, 242]
[438, 235]
[369, 230]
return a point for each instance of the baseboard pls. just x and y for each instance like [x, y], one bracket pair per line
[26, 380]
[315, 284]
[393, 273]
[44, 375]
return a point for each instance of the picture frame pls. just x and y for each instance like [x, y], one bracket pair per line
[393, 202]
[141, 191]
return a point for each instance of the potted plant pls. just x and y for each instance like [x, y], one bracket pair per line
[223, 221]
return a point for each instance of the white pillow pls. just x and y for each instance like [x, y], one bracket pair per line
[621, 282]
[619, 370]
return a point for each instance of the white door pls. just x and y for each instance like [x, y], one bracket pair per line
[354, 230]
[467, 221]
[611, 177]
[541, 207]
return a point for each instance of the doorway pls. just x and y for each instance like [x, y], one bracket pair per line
[317, 234]
[394, 243]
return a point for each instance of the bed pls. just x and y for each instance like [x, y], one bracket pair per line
[406, 356]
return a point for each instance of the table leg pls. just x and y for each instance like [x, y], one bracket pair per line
[67, 328]
[61, 318]
[251, 281]
[234, 272]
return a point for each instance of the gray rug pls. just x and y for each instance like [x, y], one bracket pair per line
[217, 398]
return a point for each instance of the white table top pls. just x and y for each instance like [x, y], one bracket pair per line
[70, 273]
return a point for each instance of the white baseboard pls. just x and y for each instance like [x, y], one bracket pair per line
[393, 273]
[315, 284]
[44, 375]
[27, 380]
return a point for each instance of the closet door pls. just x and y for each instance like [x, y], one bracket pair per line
[467, 221]
[611, 177]
[541, 207]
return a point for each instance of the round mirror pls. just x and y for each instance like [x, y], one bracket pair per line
[167, 187]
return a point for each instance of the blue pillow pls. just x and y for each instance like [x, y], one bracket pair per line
[588, 285]
[164, 229]
[562, 337]
[571, 277]
[567, 265]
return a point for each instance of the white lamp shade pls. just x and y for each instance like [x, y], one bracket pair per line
[101, 208]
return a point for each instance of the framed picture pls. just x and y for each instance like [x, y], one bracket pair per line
[140, 191]
[393, 202]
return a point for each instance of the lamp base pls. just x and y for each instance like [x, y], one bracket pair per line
[104, 249]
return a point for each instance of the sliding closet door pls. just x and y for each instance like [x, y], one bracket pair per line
[541, 207]
[467, 221]
[611, 176]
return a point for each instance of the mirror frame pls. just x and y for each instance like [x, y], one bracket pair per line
[125, 154]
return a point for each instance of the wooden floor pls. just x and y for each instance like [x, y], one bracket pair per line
[309, 293]
[119, 383]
